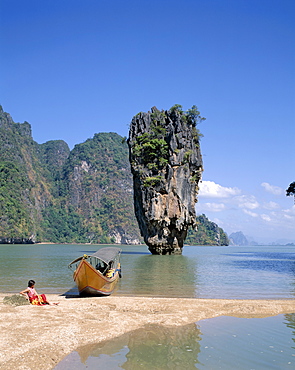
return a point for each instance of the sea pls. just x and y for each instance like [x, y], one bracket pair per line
[251, 272]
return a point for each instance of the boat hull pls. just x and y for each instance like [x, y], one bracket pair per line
[91, 282]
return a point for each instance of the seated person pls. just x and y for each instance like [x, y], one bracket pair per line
[34, 297]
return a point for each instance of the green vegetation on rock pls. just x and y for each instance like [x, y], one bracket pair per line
[49, 193]
[207, 233]
[16, 300]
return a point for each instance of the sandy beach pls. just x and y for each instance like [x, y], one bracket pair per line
[34, 337]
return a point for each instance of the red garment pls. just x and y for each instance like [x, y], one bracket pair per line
[39, 300]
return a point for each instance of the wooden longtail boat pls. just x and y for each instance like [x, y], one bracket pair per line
[98, 273]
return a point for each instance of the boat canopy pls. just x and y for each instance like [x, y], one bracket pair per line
[107, 254]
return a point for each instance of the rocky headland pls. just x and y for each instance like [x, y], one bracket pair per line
[49, 193]
[166, 163]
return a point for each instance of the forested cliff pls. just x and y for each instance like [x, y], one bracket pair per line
[49, 193]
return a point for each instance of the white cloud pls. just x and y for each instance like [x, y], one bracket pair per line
[271, 205]
[265, 217]
[247, 201]
[289, 214]
[288, 217]
[217, 221]
[255, 214]
[291, 210]
[210, 207]
[209, 189]
[275, 190]
[252, 214]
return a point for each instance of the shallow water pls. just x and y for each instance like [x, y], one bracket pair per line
[220, 343]
[265, 272]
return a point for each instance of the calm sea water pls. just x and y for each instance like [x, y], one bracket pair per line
[266, 272]
[201, 272]
[224, 342]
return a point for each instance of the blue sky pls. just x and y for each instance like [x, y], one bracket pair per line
[74, 68]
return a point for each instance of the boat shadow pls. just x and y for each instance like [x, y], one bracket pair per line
[72, 293]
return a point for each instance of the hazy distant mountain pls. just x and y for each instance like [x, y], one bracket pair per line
[238, 238]
[284, 242]
[49, 193]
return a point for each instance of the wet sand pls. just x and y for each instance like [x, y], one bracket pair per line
[35, 337]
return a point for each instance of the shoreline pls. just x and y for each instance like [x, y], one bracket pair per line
[34, 337]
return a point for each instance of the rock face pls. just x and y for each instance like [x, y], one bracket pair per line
[166, 164]
[49, 193]
[24, 185]
[99, 183]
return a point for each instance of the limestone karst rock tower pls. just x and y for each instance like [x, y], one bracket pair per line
[166, 163]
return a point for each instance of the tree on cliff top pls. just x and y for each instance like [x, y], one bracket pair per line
[291, 190]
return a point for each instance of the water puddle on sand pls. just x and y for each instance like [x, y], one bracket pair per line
[219, 343]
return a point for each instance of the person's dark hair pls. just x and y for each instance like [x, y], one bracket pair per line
[31, 283]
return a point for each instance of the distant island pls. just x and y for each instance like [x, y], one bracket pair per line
[238, 238]
[49, 193]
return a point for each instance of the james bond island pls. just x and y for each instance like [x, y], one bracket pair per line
[166, 163]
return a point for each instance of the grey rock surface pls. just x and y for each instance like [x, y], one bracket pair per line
[166, 164]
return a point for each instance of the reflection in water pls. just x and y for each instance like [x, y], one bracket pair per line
[174, 275]
[290, 317]
[163, 348]
[152, 347]
[220, 343]
[201, 272]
